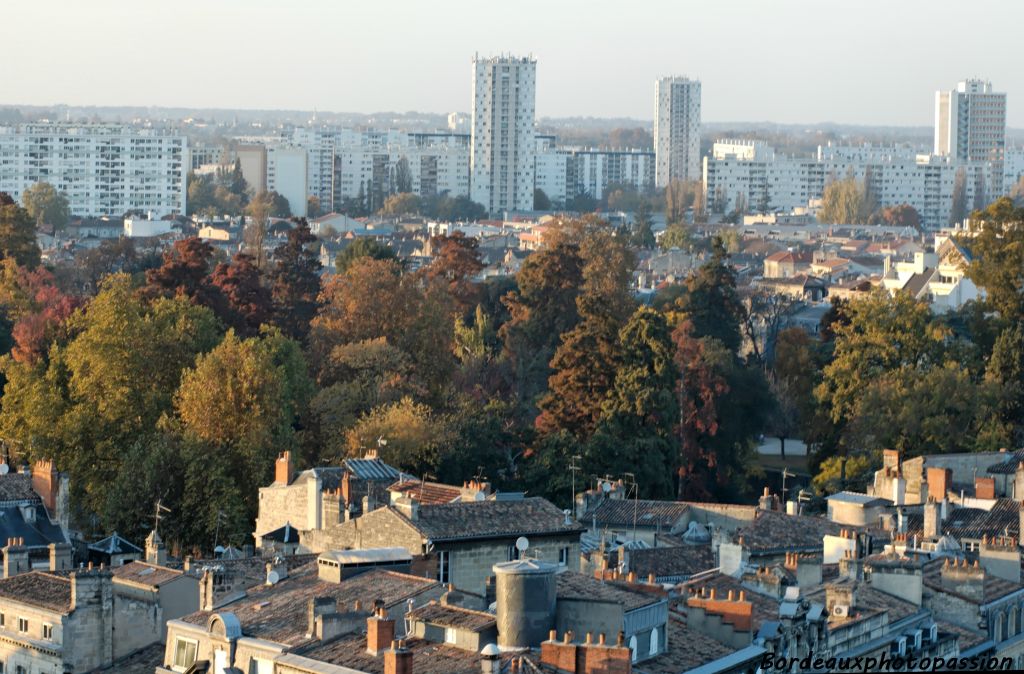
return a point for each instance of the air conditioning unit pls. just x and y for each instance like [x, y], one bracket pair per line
[841, 611]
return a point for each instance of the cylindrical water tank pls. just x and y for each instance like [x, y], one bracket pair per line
[525, 591]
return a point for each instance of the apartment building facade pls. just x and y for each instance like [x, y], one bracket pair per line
[104, 169]
[677, 129]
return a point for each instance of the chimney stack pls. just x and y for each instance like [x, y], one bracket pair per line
[397, 659]
[15, 558]
[380, 631]
[283, 469]
[60, 556]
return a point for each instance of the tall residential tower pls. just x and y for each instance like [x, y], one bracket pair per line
[970, 125]
[676, 130]
[503, 145]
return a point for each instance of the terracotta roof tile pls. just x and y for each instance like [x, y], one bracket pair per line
[145, 574]
[38, 588]
[427, 493]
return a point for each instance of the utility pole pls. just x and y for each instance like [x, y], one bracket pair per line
[636, 504]
[574, 468]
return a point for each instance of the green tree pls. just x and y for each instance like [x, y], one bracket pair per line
[711, 303]
[996, 252]
[642, 236]
[540, 200]
[1006, 371]
[403, 176]
[360, 248]
[959, 208]
[17, 233]
[46, 205]
[411, 437]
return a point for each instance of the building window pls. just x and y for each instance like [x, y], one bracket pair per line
[654, 641]
[632, 647]
[2, 620]
[48, 631]
[444, 560]
[450, 635]
[185, 653]
[23, 625]
[563, 556]
[513, 553]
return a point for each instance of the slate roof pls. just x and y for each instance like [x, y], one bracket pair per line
[1008, 466]
[772, 530]
[1003, 519]
[870, 602]
[492, 519]
[649, 514]
[427, 493]
[39, 533]
[675, 562]
[372, 469]
[285, 534]
[453, 616]
[571, 585]
[38, 588]
[114, 544]
[144, 661]
[687, 649]
[145, 574]
[17, 487]
[278, 612]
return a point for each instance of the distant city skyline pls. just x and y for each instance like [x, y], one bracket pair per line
[789, 61]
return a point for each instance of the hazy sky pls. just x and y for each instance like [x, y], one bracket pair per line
[864, 61]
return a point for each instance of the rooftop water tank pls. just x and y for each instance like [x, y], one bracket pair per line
[525, 602]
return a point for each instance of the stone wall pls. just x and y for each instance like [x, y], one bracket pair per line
[138, 619]
[382, 528]
[280, 505]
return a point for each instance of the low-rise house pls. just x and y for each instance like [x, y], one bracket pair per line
[113, 550]
[33, 516]
[458, 543]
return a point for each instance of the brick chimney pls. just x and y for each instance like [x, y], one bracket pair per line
[566, 657]
[60, 556]
[851, 566]
[728, 620]
[15, 557]
[806, 568]
[767, 501]
[397, 659]
[283, 469]
[46, 483]
[380, 631]
[984, 487]
[940, 480]
[1000, 556]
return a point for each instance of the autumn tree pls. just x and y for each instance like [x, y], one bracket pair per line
[844, 202]
[411, 437]
[35, 307]
[17, 234]
[902, 215]
[249, 301]
[295, 282]
[185, 272]
[46, 205]
[456, 261]
[403, 203]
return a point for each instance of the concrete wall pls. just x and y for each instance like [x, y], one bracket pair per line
[731, 558]
[582, 616]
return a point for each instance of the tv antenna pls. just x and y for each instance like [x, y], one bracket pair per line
[630, 479]
[160, 508]
[574, 468]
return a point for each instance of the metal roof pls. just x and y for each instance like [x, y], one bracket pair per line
[858, 499]
[367, 556]
[371, 469]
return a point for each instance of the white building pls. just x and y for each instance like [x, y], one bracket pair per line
[287, 175]
[104, 169]
[970, 125]
[503, 146]
[748, 175]
[136, 228]
[564, 173]
[677, 129]
[458, 122]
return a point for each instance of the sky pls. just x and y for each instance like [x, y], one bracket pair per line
[872, 62]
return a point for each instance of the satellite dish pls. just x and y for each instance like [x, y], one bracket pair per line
[273, 577]
[4, 469]
[479, 496]
[522, 545]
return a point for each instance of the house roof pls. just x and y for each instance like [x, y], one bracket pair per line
[492, 519]
[687, 649]
[278, 612]
[870, 602]
[453, 616]
[114, 544]
[427, 493]
[371, 469]
[142, 573]
[648, 514]
[39, 532]
[37, 588]
[685, 560]
[773, 530]
[764, 609]
[285, 534]
[1009, 464]
[858, 499]
[571, 585]
[1002, 519]
[428, 657]
[17, 487]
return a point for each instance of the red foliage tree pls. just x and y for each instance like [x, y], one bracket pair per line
[249, 302]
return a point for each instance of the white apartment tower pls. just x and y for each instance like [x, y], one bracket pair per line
[970, 125]
[503, 144]
[676, 129]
